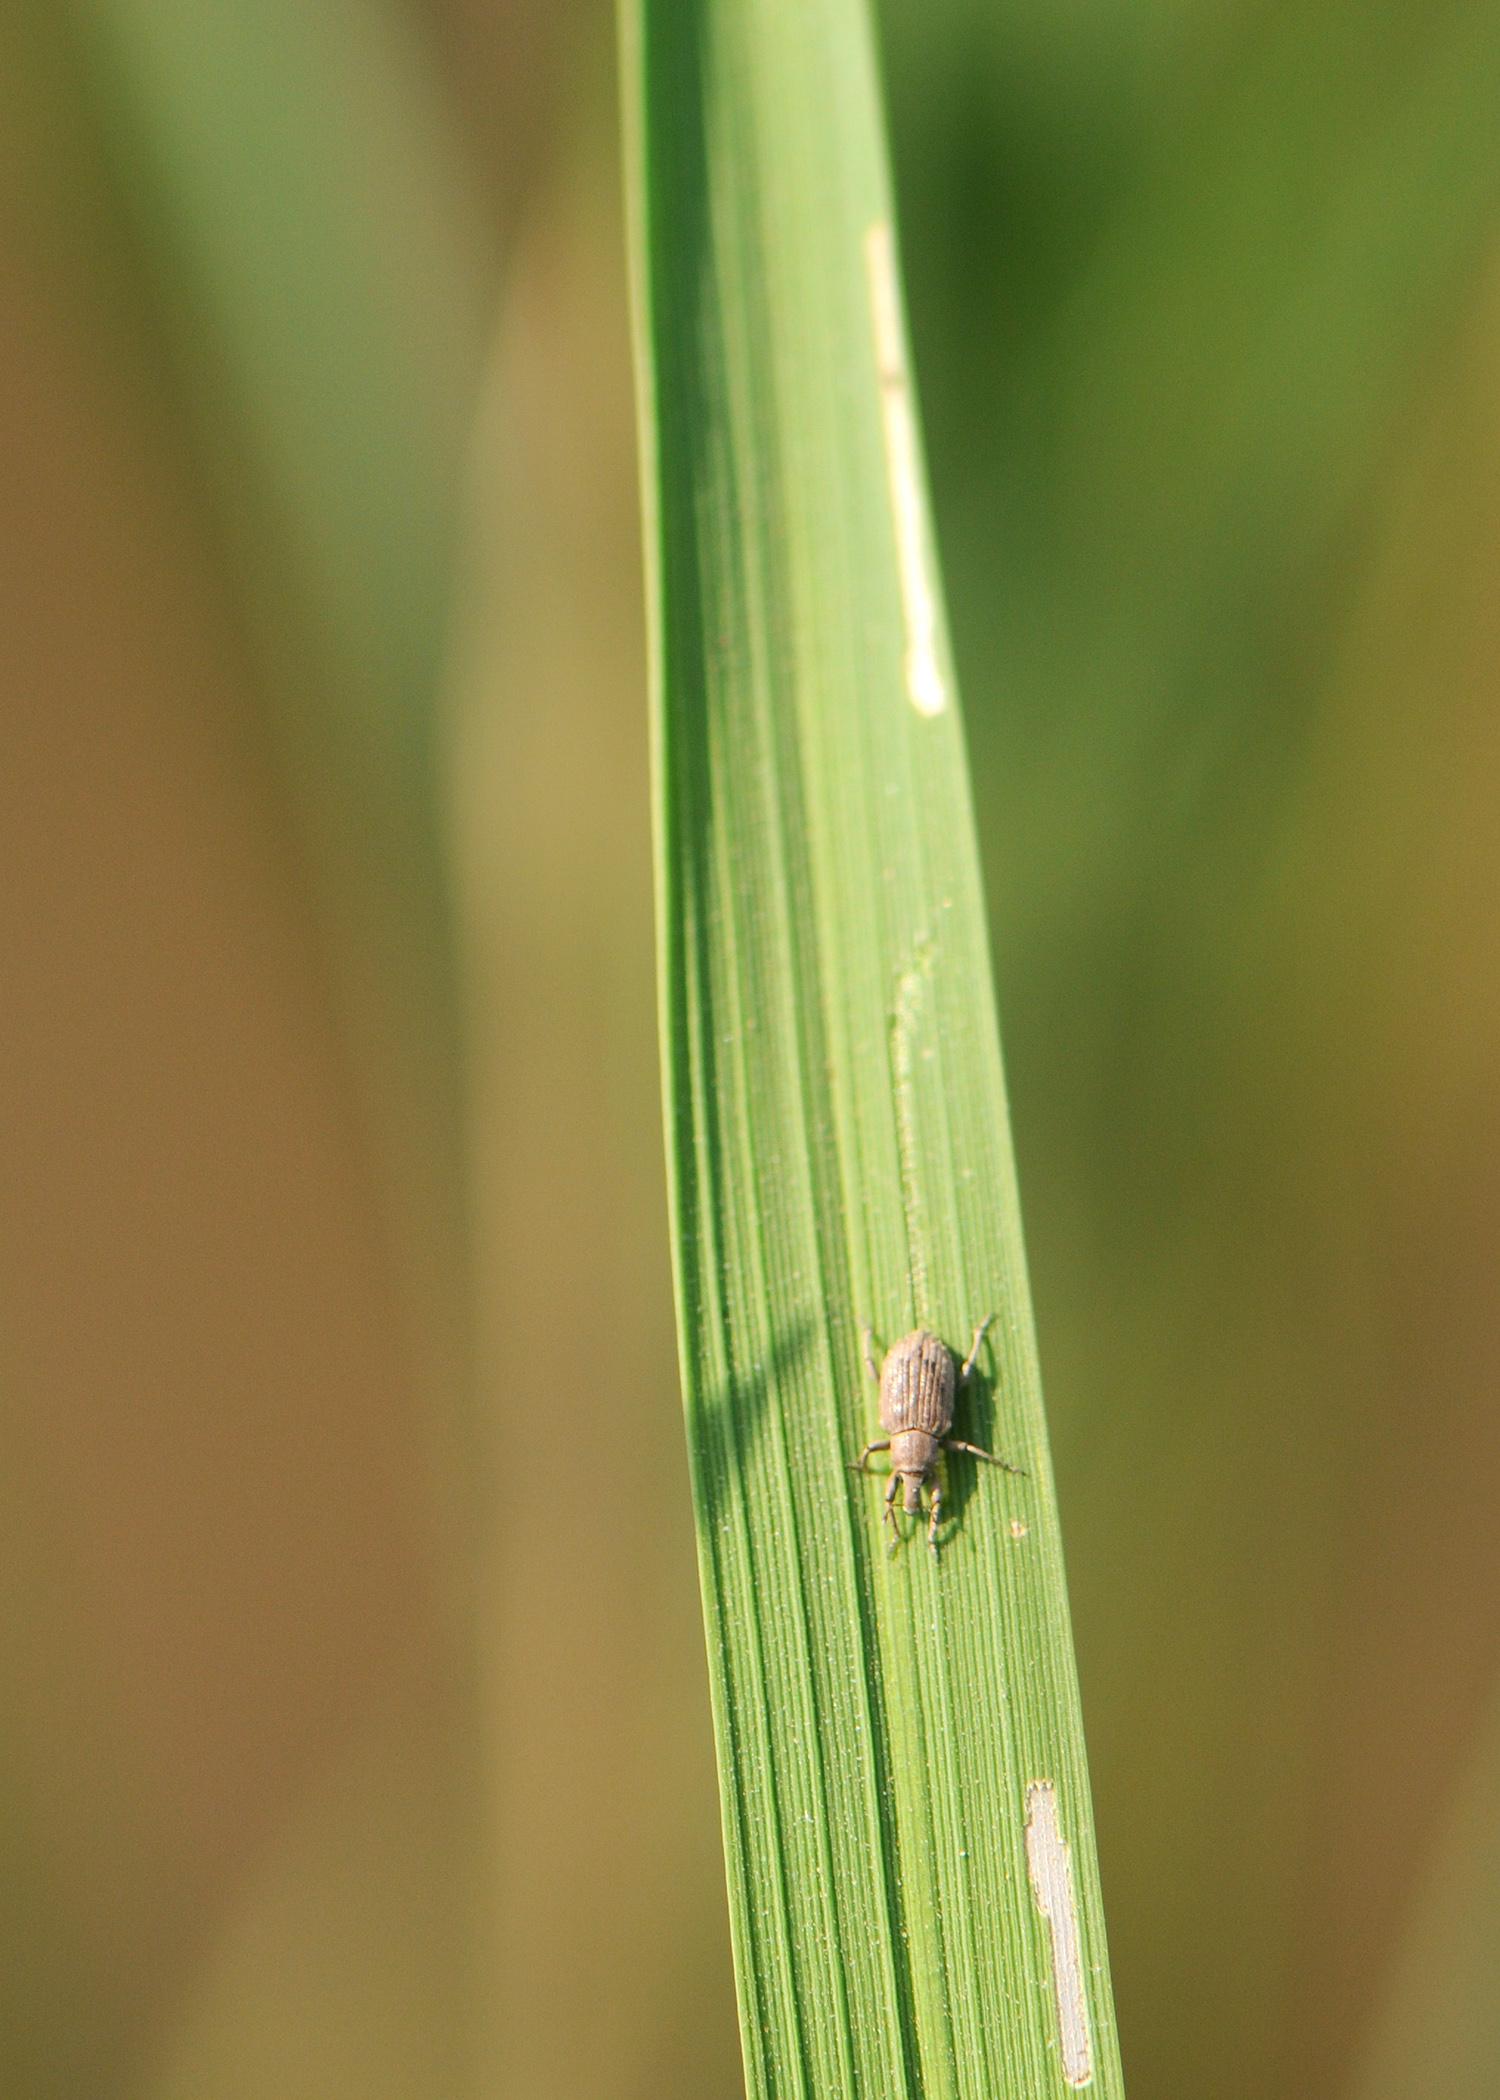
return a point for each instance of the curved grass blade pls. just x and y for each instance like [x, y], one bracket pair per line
[913, 1887]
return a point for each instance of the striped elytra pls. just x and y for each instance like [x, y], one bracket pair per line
[916, 1386]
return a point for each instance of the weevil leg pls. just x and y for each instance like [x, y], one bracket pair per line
[861, 1464]
[979, 1334]
[869, 1335]
[890, 1511]
[973, 1451]
[933, 1515]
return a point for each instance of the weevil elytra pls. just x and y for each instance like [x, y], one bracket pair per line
[917, 1390]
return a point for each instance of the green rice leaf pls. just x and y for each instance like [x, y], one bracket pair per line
[913, 1889]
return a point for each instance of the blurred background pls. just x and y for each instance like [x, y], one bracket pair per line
[355, 1735]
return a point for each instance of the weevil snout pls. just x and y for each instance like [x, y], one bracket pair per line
[911, 1499]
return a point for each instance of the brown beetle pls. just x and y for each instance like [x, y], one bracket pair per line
[916, 1409]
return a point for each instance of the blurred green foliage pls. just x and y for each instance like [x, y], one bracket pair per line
[355, 1736]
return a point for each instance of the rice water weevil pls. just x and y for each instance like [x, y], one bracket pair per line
[917, 1391]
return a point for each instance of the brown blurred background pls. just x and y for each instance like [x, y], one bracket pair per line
[355, 1735]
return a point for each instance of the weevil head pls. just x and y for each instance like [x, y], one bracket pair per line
[911, 1500]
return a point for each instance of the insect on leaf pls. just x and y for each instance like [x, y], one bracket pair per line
[914, 1897]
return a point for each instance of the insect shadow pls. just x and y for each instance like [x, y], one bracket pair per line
[974, 1422]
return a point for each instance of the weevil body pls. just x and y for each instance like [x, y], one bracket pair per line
[918, 1387]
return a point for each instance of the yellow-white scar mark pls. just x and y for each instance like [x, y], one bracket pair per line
[913, 990]
[925, 685]
[1050, 1865]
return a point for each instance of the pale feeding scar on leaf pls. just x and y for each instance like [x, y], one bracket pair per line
[912, 1009]
[1050, 1865]
[926, 687]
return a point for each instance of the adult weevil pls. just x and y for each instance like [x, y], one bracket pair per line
[917, 1391]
